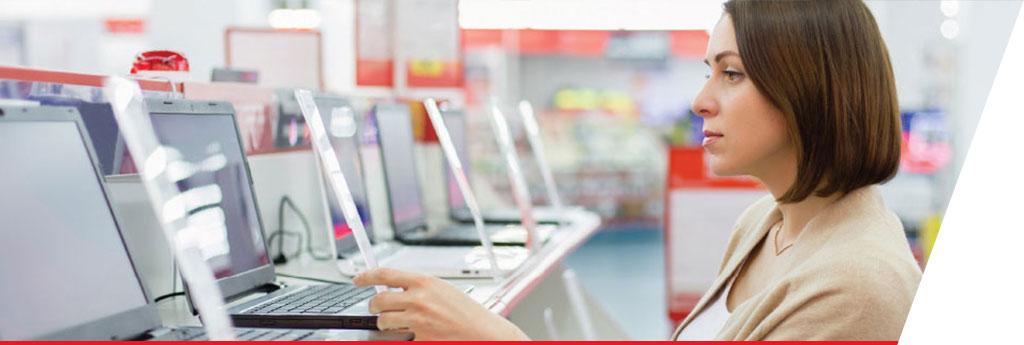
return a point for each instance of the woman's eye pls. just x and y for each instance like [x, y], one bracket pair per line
[733, 76]
[707, 75]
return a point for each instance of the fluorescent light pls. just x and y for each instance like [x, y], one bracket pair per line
[949, 7]
[294, 19]
[949, 29]
[589, 14]
[63, 9]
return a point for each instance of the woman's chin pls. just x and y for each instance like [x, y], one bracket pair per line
[722, 168]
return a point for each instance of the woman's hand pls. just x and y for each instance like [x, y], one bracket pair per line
[433, 309]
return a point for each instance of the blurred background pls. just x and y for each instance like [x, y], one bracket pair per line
[611, 82]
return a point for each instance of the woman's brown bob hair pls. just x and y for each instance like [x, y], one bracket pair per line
[824, 65]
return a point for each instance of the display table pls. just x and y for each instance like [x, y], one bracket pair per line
[498, 295]
[521, 296]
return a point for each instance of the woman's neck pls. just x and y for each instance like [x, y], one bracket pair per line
[795, 215]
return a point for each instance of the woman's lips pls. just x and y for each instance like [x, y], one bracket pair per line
[711, 137]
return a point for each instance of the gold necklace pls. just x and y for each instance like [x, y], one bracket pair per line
[778, 229]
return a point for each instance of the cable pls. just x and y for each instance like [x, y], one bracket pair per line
[173, 294]
[308, 229]
[281, 257]
[281, 233]
[174, 283]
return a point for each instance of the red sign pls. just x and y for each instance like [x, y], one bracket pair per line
[125, 26]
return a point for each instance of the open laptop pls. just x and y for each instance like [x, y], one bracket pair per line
[99, 122]
[344, 133]
[442, 261]
[65, 271]
[290, 130]
[394, 133]
[245, 274]
[455, 119]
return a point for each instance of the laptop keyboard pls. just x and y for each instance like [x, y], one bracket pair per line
[197, 334]
[315, 299]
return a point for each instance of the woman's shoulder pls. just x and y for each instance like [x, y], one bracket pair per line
[865, 299]
[853, 257]
[864, 272]
[859, 255]
[874, 293]
[860, 237]
[872, 283]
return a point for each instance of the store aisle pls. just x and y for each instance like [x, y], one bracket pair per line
[617, 263]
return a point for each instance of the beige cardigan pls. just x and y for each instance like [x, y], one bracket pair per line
[855, 280]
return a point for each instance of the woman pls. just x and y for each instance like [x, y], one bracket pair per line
[800, 96]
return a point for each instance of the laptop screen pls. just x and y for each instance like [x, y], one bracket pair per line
[98, 119]
[344, 131]
[394, 132]
[455, 120]
[62, 261]
[201, 139]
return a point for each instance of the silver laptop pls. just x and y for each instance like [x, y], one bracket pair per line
[245, 274]
[408, 216]
[65, 273]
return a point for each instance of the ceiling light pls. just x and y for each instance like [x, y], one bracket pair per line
[590, 14]
[294, 19]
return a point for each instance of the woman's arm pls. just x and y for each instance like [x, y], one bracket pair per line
[433, 309]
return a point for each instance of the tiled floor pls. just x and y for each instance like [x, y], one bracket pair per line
[625, 271]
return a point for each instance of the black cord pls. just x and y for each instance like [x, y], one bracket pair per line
[174, 282]
[281, 233]
[281, 257]
[173, 294]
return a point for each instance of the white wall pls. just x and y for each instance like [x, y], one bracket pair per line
[195, 28]
[70, 36]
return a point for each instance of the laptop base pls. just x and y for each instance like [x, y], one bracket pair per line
[349, 310]
[466, 235]
[541, 215]
[443, 261]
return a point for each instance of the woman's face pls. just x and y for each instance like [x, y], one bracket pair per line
[743, 132]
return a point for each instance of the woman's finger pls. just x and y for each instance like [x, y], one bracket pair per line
[394, 320]
[390, 301]
[388, 277]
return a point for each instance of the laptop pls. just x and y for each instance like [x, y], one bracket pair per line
[99, 122]
[455, 119]
[290, 130]
[245, 274]
[344, 134]
[394, 133]
[441, 261]
[66, 272]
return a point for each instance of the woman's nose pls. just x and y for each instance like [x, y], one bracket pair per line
[704, 105]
